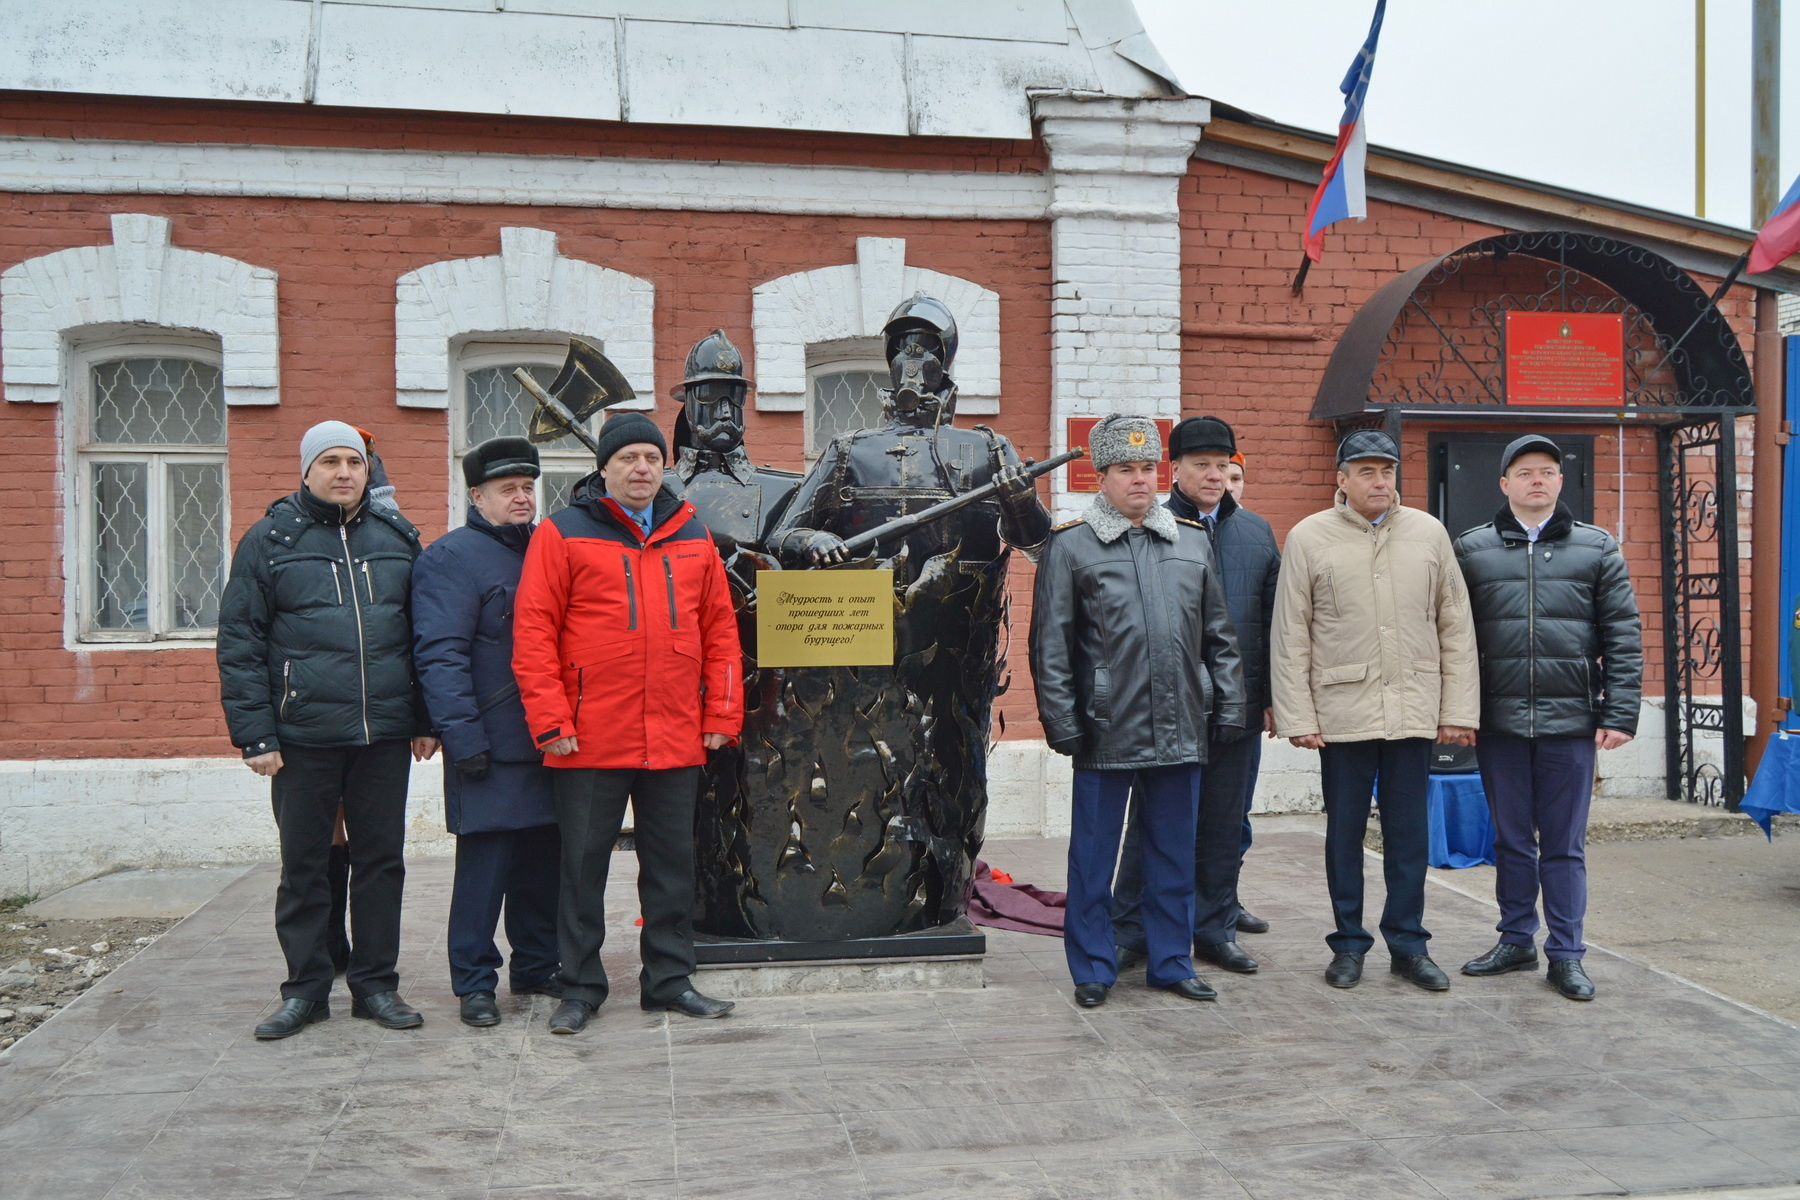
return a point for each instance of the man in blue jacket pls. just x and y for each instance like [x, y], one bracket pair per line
[497, 793]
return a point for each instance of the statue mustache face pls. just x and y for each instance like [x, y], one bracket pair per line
[917, 374]
[715, 414]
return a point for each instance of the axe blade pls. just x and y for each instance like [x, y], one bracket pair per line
[589, 382]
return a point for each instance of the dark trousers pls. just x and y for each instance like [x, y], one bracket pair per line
[518, 867]
[590, 807]
[1538, 790]
[370, 782]
[1349, 770]
[1256, 749]
[1217, 853]
[1169, 801]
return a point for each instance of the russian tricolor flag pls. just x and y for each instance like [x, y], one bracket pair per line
[1341, 193]
[1780, 234]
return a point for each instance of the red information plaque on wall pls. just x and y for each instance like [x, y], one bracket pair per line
[1081, 472]
[1561, 358]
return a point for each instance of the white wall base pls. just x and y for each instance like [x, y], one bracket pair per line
[62, 821]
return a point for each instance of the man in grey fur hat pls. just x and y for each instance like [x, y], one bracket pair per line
[1135, 663]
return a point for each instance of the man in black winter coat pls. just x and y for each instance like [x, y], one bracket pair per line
[1562, 659]
[315, 673]
[498, 799]
[1248, 563]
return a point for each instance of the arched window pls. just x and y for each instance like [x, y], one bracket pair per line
[489, 403]
[843, 386]
[150, 521]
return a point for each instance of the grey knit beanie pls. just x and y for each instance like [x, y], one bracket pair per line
[328, 435]
[628, 429]
[1121, 439]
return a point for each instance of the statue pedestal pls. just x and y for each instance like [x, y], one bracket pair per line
[956, 939]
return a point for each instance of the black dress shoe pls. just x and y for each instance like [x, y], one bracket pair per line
[388, 1010]
[1568, 977]
[689, 1003]
[1091, 995]
[1503, 958]
[1191, 989]
[1124, 957]
[550, 985]
[292, 1017]
[479, 1009]
[1226, 955]
[571, 1016]
[1249, 922]
[1345, 970]
[1421, 970]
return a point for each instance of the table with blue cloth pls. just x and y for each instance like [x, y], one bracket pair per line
[1775, 788]
[1459, 828]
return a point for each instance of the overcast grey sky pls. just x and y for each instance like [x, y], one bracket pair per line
[1596, 95]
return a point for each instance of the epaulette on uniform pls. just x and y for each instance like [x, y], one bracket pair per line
[1190, 521]
[1068, 525]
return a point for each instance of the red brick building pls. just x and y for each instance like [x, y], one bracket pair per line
[198, 264]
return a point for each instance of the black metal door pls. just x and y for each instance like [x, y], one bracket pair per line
[1702, 665]
[1465, 476]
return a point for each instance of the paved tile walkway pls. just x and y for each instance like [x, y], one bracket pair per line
[151, 1086]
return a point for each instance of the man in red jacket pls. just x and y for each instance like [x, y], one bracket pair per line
[626, 652]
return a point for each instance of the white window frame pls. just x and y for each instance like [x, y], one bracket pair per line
[487, 353]
[79, 575]
[832, 358]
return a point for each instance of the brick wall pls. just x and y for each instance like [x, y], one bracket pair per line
[337, 264]
[1254, 353]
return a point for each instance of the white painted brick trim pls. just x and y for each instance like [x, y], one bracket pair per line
[107, 167]
[139, 280]
[527, 287]
[830, 304]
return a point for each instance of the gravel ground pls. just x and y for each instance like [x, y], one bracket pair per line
[46, 964]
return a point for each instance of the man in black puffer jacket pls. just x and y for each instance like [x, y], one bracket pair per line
[1562, 661]
[315, 672]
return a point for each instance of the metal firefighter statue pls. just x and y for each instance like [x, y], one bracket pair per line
[865, 788]
[739, 504]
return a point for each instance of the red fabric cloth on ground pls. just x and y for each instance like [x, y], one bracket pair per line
[1016, 906]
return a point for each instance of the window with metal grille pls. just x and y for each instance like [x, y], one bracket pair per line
[491, 404]
[150, 496]
[843, 395]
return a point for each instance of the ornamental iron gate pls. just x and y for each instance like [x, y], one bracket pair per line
[1431, 343]
[1702, 665]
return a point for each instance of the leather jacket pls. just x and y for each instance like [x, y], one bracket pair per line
[1557, 626]
[1132, 648]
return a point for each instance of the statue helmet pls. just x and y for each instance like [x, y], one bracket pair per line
[924, 313]
[714, 357]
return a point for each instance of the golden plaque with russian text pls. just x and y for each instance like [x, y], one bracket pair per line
[824, 618]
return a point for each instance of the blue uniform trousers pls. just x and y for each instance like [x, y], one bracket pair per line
[1348, 771]
[1216, 854]
[1169, 799]
[517, 868]
[1539, 790]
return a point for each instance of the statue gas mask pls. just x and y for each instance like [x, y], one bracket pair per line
[715, 414]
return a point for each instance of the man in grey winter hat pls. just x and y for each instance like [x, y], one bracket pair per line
[1135, 664]
[316, 676]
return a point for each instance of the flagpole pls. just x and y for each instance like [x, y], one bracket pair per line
[1300, 275]
[1731, 277]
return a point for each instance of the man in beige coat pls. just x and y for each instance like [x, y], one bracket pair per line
[1373, 657]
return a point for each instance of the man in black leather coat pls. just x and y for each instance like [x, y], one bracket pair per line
[1137, 671]
[1243, 547]
[1562, 659]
